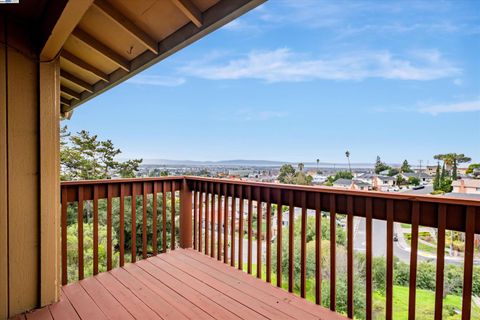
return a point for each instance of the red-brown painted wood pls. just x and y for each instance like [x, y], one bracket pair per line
[80, 233]
[133, 227]
[333, 252]
[225, 225]
[318, 249]
[122, 225]
[468, 264]
[303, 246]
[195, 215]
[164, 217]
[95, 230]
[64, 236]
[233, 220]
[350, 257]
[268, 238]
[291, 228]
[109, 228]
[279, 238]
[172, 212]
[144, 221]
[212, 221]
[259, 234]
[155, 219]
[240, 228]
[369, 262]
[413, 260]
[220, 210]
[389, 266]
[442, 217]
[249, 229]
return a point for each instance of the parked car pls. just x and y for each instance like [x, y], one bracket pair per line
[418, 187]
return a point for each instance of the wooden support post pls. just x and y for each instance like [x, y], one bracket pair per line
[185, 215]
[49, 181]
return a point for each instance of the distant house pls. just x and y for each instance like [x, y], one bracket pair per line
[352, 184]
[319, 179]
[422, 176]
[470, 186]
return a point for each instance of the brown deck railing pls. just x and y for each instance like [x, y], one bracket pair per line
[215, 208]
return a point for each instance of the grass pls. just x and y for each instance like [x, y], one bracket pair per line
[406, 225]
[425, 305]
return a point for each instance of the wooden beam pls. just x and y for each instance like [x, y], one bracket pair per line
[60, 20]
[101, 49]
[65, 101]
[190, 10]
[84, 65]
[70, 92]
[79, 82]
[220, 14]
[127, 25]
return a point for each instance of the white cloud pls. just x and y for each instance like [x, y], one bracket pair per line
[466, 106]
[458, 82]
[256, 115]
[152, 80]
[284, 65]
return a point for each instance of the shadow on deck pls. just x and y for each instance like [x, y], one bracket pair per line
[181, 284]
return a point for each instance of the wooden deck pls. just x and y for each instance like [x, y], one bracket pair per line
[181, 284]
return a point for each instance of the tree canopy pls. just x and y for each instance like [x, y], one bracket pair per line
[85, 157]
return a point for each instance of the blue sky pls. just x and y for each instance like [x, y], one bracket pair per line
[301, 80]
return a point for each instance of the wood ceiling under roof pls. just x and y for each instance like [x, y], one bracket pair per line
[116, 39]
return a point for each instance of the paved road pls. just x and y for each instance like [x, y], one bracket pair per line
[379, 247]
[427, 190]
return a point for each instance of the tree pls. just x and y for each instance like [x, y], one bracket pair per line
[472, 167]
[318, 162]
[287, 174]
[301, 165]
[342, 175]
[405, 168]
[413, 181]
[347, 154]
[436, 180]
[393, 172]
[400, 180]
[380, 166]
[451, 160]
[84, 157]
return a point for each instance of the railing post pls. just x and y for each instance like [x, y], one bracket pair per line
[185, 215]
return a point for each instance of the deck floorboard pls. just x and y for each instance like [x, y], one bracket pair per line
[181, 284]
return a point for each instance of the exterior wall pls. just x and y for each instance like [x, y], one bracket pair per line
[21, 233]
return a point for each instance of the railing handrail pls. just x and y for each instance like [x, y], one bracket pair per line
[321, 189]
[340, 191]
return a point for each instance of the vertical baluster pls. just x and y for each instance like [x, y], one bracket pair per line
[468, 263]
[233, 226]
[389, 280]
[109, 227]
[413, 260]
[279, 238]
[64, 236]
[240, 228]
[318, 249]
[350, 257]
[268, 236]
[200, 218]
[249, 229]
[368, 264]
[134, 222]
[303, 246]
[212, 221]
[220, 190]
[207, 217]
[164, 216]
[333, 252]
[95, 229]
[144, 221]
[195, 213]
[172, 211]
[225, 225]
[259, 233]
[442, 220]
[122, 225]
[80, 232]
[291, 230]
[154, 219]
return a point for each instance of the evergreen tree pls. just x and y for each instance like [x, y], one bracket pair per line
[436, 181]
[405, 168]
[380, 166]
